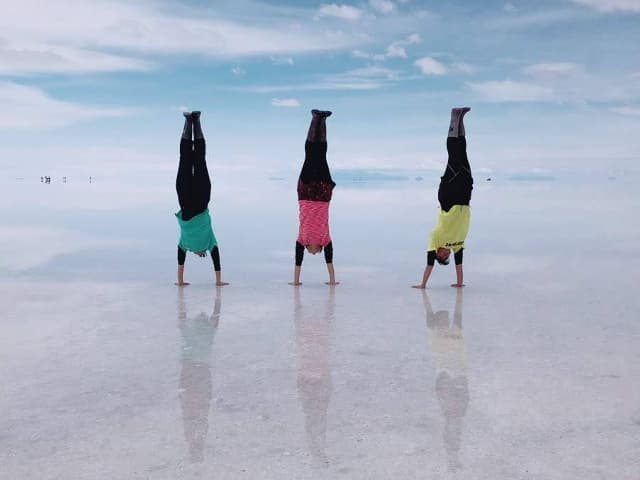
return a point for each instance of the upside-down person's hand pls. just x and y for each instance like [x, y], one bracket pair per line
[457, 285]
[419, 287]
[182, 284]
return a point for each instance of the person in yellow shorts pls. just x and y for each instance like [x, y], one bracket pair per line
[454, 195]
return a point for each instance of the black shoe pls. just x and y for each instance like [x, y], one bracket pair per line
[321, 113]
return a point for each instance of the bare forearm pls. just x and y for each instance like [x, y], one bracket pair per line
[425, 277]
[296, 275]
[219, 281]
[332, 274]
[181, 276]
[459, 276]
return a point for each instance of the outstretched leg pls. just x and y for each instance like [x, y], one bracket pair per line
[184, 179]
[315, 181]
[202, 181]
[457, 182]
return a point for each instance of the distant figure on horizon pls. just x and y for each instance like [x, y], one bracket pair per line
[454, 195]
[193, 186]
[315, 188]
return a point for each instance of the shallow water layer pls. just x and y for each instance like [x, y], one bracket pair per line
[109, 371]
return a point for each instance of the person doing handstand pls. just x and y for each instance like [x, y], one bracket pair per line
[454, 195]
[193, 186]
[315, 188]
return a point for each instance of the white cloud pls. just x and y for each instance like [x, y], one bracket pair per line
[238, 71]
[571, 82]
[526, 20]
[82, 36]
[282, 61]
[78, 36]
[509, 91]
[328, 84]
[285, 102]
[361, 54]
[430, 66]
[368, 78]
[509, 7]
[382, 6]
[35, 59]
[463, 68]
[371, 72]
[345, 12]
[608, 6]
[550, 70]
[30, 107]
[631, 111]
[396, 49]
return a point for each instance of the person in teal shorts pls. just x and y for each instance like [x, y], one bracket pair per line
[193, 186]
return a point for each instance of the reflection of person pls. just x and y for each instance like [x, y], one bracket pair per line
[194, 193]
[452, 387]
[315, 188]
[195, 375]
[313, 342]
[454, 195]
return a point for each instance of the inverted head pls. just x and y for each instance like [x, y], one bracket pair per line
[314, 249]
[442, 256]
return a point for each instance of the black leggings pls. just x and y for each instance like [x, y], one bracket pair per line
[193, 183]
[315, 182]
[457, 182]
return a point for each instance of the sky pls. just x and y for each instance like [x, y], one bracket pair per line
[96, 87]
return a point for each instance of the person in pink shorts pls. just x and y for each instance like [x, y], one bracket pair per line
[315, 187]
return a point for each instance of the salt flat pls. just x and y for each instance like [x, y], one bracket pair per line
[531, 372]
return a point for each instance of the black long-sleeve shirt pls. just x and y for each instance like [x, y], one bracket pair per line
[431, 257]
[328, 253]
[215, 256]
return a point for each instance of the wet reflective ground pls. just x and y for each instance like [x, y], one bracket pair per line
[532, 371]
